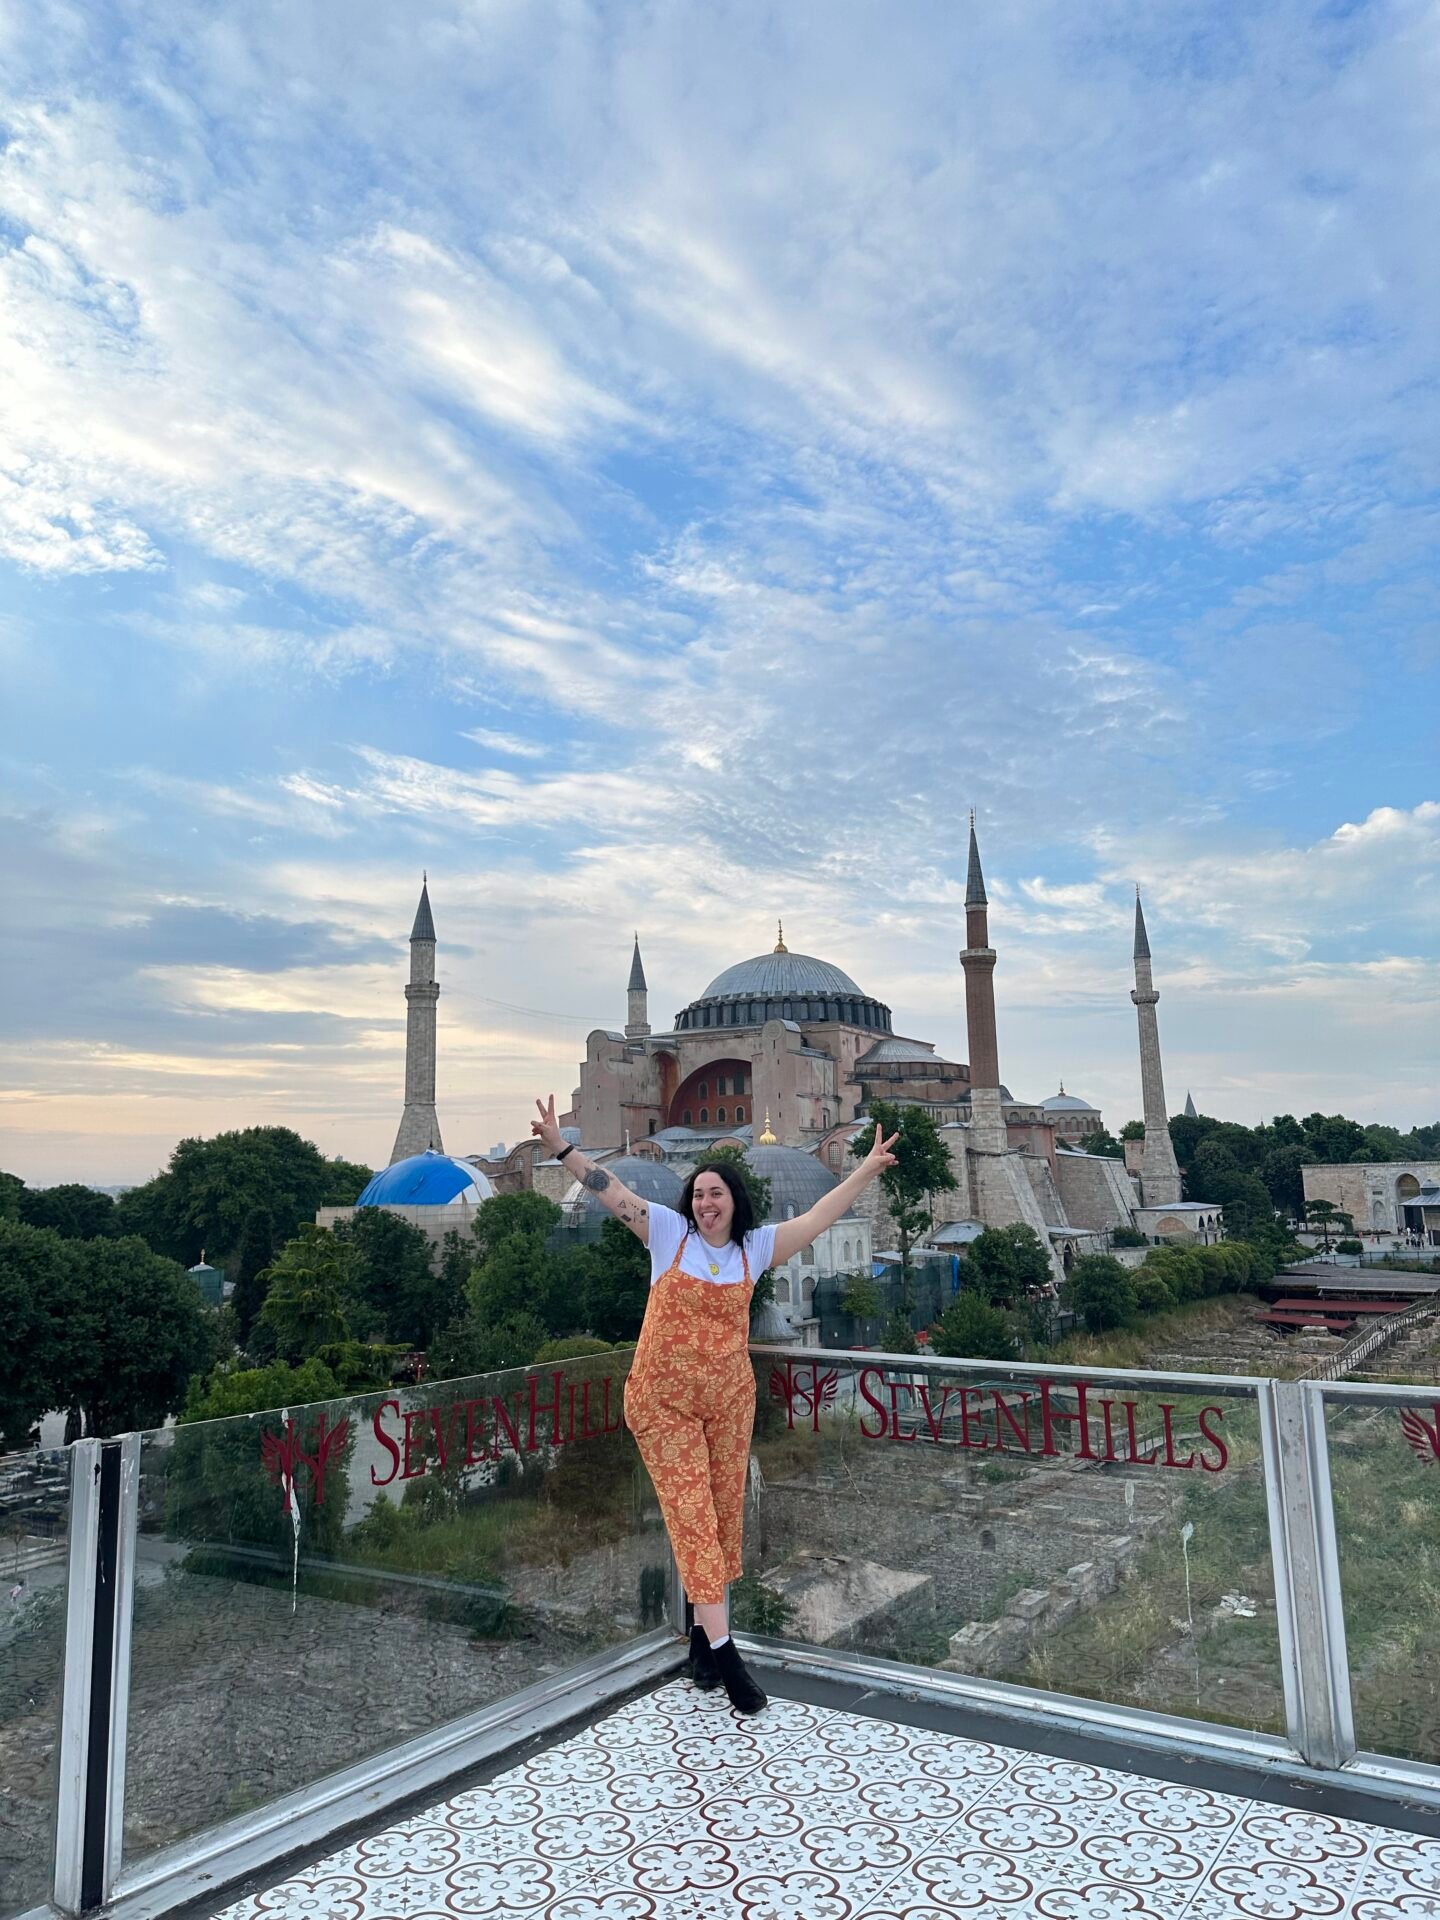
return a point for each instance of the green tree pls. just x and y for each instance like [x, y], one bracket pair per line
[49, 1341]
[1331, 1138]
[257, 1250]
[521, 1275]
[896, 1335]
[11, 1189]
[505, 1215]
[151, 1333]
[970, 1329]
[922, 1169]
[1280, 1170]
[862, 1298]
[406, 1295]
[201, 1200]
[470, 1346]
[308, 1292]
[1133, 1130]
[1325, 1215]
[575, 1346]
[219, 1487]
[614, 1283]
[345, 1181]
[1101, 1142]
[1101, 1291]
[1151, 1293]
[1007, 1263]
[76, 1212]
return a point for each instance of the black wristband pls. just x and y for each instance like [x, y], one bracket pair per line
[564, 1150]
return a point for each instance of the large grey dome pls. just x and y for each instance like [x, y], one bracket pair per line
[650, 1179]
[780, 973]
[797, 1179]
[783, 986]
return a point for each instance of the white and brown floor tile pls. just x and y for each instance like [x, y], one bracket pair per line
[675, 1808]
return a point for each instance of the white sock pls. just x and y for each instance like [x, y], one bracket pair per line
[720, 1642]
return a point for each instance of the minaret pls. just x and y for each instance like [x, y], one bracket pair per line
[1159, 1174]
[987, 1113]
[419, 1127]
[637, 1024]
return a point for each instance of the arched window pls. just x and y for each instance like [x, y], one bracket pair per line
[739, 1116]
[686, 1120]
[652, 1126]
[720, 1115]
[782, 1289]
[704, 1116]
[703, 1089]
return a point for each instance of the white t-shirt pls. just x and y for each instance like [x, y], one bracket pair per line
[668, 1229]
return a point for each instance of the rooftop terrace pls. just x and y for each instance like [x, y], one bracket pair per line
[1038, 1642]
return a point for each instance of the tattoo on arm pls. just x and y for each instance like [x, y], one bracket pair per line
[597, 1180]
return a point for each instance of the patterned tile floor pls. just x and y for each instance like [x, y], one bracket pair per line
[675, 1808]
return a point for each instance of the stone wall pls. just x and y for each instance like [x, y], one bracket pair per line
[1095, 1192]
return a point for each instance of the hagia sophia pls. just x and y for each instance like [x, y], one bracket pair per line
[782, 1055]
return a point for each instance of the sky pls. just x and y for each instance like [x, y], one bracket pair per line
[658, 467]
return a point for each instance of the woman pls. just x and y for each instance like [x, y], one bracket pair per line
[690, 1395]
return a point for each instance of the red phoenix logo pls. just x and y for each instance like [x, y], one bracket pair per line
[1424, 1439]
[283, 1453]
[804, 1390]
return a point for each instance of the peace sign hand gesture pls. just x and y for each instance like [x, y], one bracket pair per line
[880, 1157]
[546, 1128]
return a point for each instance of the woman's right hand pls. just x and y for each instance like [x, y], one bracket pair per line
[546, 1127]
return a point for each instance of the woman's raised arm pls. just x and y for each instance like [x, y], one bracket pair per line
[792, 1235]
[612, 1194]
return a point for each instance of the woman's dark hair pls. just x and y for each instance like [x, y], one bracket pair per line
[743, 1218]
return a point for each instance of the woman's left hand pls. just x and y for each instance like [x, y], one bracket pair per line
[880, 1157]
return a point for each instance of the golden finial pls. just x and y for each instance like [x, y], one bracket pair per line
[780, 946]
[767, 1138]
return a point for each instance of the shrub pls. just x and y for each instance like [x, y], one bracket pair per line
[897, 1337]
[574, 1347]
[1179, 1268]
[1348, 1246]
[970, 1330]
[1128, 1237]
[862, 1297]
[756, 1608]
[1151, 1294]
[1101, 1291]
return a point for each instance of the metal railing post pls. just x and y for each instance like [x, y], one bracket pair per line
[1308, 1605]
[103, 1487]
[84, 1530]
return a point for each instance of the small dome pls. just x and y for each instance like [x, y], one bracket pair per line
[768, 1325]
[1063, 1102]
[771, 974]
[649, 1179]
[896, 1048]
[427, 1179]
[797, 1179]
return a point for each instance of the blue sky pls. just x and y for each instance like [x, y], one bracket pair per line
[659, 467]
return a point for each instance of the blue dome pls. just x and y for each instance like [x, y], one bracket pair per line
[427, 1179]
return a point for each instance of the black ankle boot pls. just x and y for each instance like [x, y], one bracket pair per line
[700, 1667]
[745, 1696]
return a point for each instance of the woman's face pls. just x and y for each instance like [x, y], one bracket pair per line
[713, 1207]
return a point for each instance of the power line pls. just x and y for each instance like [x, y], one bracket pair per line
[539, 1013]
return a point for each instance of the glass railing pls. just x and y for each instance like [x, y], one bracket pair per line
[34, 1529]
[318, 1585]
[311, 1603]
[1102, 1538]
[1384, 1453]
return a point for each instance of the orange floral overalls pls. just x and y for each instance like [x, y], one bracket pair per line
[690, 1403]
